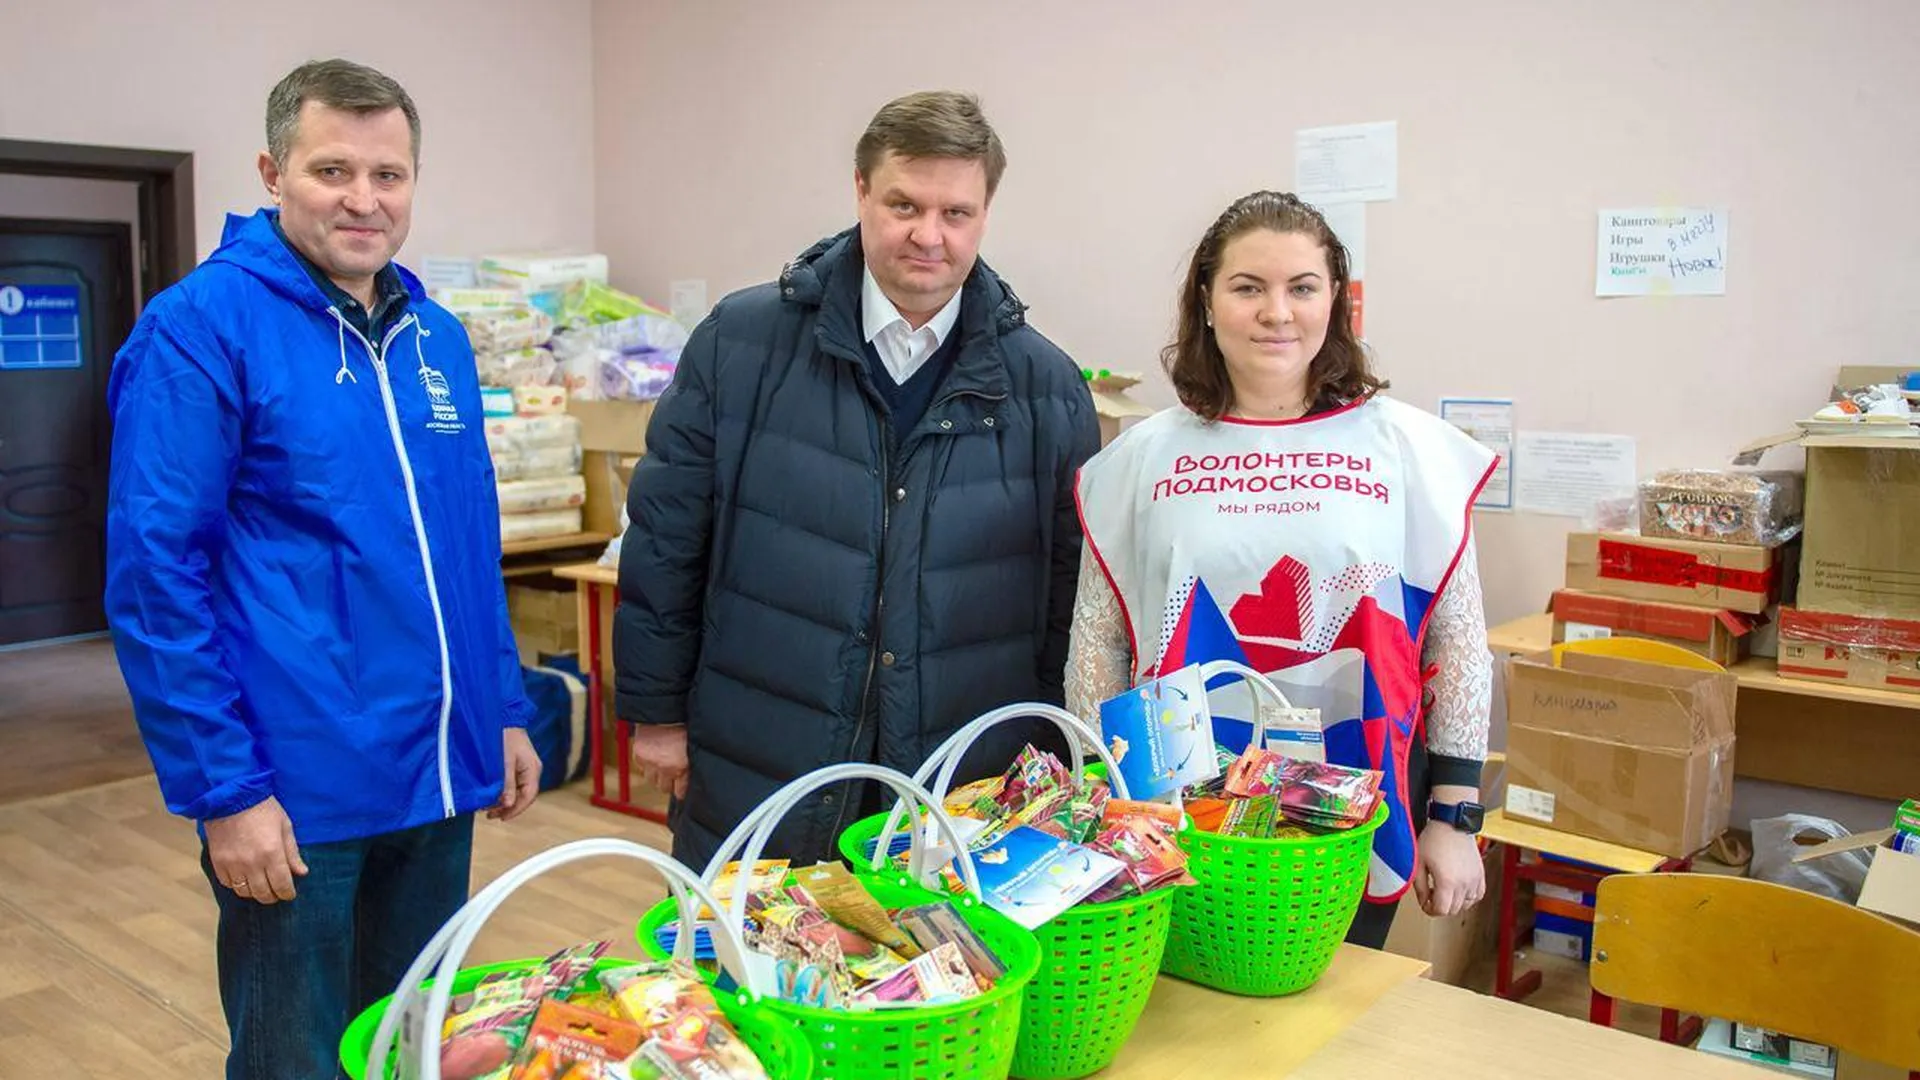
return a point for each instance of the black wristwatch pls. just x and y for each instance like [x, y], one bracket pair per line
[1465, 816]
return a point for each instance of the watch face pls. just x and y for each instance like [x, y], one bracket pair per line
[1472, 817]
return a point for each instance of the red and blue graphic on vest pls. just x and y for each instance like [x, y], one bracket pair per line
[1345, 644]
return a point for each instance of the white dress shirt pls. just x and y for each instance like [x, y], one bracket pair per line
[902, 349]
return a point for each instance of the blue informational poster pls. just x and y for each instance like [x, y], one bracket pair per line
[39, 327]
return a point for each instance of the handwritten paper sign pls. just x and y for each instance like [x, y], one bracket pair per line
[1663, 251]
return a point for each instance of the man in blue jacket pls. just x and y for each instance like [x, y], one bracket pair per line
[854, 527]
[303, 578]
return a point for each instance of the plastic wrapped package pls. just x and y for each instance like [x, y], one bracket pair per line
[1729, 507]
[519, 367]
[537, 463]
[498, 330]
[460, 301]
[641, 375]
[645, 331]
[539, 400]
[549, 493]
[533, 432]
[580, 361]
[538, 526]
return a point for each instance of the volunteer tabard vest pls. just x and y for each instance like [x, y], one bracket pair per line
[1310, 550]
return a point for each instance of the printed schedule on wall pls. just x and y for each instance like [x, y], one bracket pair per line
[39, 327]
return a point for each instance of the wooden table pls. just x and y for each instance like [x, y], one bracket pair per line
[1429, 1029]
[1191, 1032]
[1823, 735]
[598, 588]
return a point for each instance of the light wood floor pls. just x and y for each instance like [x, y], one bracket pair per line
[106, 925]
[65, 721]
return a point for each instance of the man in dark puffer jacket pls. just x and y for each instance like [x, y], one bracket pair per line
[853, 530]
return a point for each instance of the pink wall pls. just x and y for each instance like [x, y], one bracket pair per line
[504, 90]
[724, 133]
[64, 199]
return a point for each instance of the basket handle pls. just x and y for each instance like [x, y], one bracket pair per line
[753, 834]
[1256, 684]
[946, 758]
[415, 1017]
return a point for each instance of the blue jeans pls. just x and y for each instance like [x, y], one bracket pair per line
[294, 973]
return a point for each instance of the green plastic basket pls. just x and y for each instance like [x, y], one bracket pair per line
[1267, 915]
[962, 1041]
[1097, 966]
[775, 1042]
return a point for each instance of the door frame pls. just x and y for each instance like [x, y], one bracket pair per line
[165, 194]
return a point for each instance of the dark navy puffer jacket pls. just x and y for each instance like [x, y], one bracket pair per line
[799, 592]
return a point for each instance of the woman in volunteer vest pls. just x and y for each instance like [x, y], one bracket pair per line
[1290, 516]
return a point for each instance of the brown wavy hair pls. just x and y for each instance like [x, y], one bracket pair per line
[1338, 375]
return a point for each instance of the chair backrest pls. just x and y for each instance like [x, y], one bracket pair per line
[1763, 954]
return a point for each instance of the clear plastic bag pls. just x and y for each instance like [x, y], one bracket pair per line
[1722, 505]
[1777, 840]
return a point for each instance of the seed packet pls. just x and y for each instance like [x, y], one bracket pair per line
[562, 1035]
[1255, 772]
[767, 874]
[1250, 818]
[1165, 815]
[848, 903]
[1326, 795]
[932, 925]
[1151, 859]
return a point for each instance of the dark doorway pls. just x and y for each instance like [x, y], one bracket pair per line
[64, 310]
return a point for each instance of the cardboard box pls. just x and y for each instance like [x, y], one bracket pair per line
[1111, 402]
[1450, 946]
[616, 426]
[1738, 577]
[1892, 887]
[1883, 654]
[1860, 551]
[1742, 1043]
[612, 436]
[1632, 752]
[1715, 633]
[545, 621]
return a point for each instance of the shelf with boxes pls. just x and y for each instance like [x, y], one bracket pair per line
[1806, 591]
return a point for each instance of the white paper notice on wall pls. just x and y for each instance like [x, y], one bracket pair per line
[1526, 802]
[1489, 422]
[1662, 251]
[1566, 474]
[1351, 163]
[1349, 222]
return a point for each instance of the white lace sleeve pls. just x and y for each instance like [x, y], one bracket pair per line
[1462, 686]
[1099, 652]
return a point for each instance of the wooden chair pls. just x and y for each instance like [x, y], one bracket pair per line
[1762, 954]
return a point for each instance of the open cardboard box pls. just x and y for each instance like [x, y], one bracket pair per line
[1112, 403]
[1892, 887]
[1632, 751]
[613, 435]
[1860, 547]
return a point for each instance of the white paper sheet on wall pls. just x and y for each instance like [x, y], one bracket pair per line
[1349, 222]
[1351, 163]
[1489, 422]
[1565, 474]
[1662, 251]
